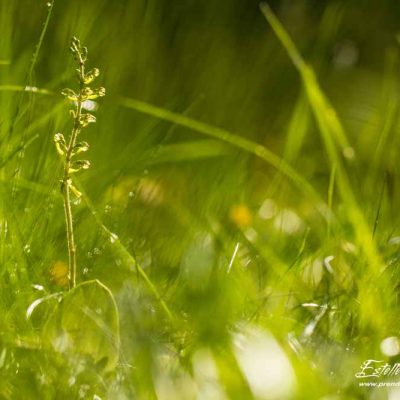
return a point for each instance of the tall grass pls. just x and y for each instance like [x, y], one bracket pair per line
[237, 232]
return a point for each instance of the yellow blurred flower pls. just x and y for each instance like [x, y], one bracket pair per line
[59, 273]
[119, 194]
[241, 215]
[147, 190]
[150, 192]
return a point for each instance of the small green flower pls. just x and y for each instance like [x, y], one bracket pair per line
[80, 147]
[77, 165]
[86, 119]
[60, 143]
[70, 94]
[88, 93]
[91, 76]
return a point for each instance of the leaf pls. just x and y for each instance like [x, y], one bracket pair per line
[324, 112]
[187, 151]
[32, 307]
[86, 324]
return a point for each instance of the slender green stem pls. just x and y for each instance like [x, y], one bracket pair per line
[66, 186]
[70, 237]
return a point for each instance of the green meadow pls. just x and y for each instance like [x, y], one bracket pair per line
[199, 200]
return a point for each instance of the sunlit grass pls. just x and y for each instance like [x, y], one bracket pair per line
[237, 232]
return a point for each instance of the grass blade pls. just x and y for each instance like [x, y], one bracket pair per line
[122, 250]
[323, 110]
[333, 135]
[258, 150]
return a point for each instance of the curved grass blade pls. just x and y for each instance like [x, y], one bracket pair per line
[28, 79]
[333, 135]
[32, 307]
[17, 149]
[126, 255]
[324, 112]
[258, 150]
[35, 55]
[85, 322]
[187, 151]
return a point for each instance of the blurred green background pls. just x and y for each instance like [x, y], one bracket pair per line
[245, 225]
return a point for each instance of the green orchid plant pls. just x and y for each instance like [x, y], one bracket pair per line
[70, 148]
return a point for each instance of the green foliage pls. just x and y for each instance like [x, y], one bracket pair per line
[235, 224]
[94, 334]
